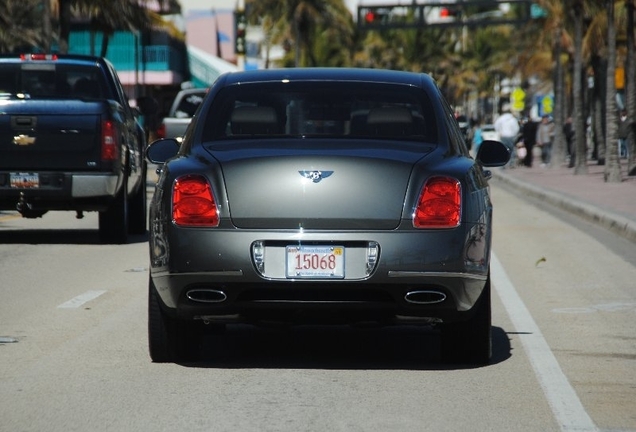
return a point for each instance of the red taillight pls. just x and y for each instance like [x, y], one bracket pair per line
[193, 203]
[38, 56]
[161, 131]
[110, 144]
[440, 204]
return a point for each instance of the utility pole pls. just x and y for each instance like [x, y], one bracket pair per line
[240, 29]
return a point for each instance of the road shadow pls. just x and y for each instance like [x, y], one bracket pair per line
[340, 347]
[59, 236]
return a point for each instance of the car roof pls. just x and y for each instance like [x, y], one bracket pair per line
[330, 75]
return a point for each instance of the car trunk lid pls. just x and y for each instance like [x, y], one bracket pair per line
[324, 185]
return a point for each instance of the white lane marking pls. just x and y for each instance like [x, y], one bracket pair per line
[565, 403]
[81, 299]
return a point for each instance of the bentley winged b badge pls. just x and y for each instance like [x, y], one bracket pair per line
[315, 175]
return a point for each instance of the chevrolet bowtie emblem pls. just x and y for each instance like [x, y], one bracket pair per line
[23, 140]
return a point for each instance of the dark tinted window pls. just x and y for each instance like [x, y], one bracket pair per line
[50, 80]
[364, 110]
[189, 104]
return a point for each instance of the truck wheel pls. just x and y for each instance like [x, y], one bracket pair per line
[470, 341]
[113, 223]
[137, 209]
[170, 339]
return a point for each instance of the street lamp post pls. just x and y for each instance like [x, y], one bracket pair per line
[241, 29]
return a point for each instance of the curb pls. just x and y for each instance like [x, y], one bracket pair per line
[613, 222]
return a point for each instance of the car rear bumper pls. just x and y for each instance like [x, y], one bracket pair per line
[423, 277]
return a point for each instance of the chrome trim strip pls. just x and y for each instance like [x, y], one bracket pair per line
[211, 273]
[166, 273]
[456, 275]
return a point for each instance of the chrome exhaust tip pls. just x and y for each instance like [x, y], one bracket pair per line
[425, 297]
[203, 295]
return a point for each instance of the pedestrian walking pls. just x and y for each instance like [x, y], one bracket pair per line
[623, 134]
[478, 137]
[529, 134]
[507, 126]
[568, 131]
[545, 136]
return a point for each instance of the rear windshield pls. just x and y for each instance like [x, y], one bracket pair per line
[33, 80]
[354, 109]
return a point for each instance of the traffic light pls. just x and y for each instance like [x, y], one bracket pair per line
[449, 12]
[370, 17]
[240, 29]
[374, 16]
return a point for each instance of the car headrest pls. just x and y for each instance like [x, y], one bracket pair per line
[254, 120]
[389, 115]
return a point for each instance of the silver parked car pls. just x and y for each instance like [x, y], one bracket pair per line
[329, 196]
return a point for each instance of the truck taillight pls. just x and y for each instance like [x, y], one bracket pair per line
[193, 203]
[38, 57]
[110, 143]
[439, 205]
[161, 131]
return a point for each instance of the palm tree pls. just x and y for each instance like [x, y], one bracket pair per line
[612, 171]
[630, 89]
[20, 23]
[554, 38]
[301, 23]
[580, 148]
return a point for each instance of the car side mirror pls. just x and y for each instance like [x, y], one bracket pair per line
[158, 152]
[493, 154]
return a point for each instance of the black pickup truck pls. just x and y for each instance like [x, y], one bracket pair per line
[70, 141]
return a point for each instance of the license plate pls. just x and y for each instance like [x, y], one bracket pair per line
[324, 262]
[25, 180]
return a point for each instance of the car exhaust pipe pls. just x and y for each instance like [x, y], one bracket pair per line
[204, 295]
[425, 297]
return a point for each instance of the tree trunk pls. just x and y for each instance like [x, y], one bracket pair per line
[630, 87]
[558, 145]
[612, 173]
[579, 145]
[46, 25]
[599, 65]
[104, 48]
[65, 24]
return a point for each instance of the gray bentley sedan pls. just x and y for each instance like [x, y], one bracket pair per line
[321, 196]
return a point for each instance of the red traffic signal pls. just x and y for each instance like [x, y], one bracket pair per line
[374, 16]
[448, 12]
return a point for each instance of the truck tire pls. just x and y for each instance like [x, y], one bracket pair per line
[137, 208]
[113, 223]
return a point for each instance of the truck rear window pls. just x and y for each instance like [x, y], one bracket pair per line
[49, 80]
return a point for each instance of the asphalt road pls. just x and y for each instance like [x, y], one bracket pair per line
[73, 345]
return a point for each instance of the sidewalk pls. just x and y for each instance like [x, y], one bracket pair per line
[610, 205]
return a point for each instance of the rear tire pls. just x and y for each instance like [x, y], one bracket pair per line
[170, 339]
[113, 223]
[470, 341]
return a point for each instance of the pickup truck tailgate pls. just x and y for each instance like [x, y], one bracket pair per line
[49, 140]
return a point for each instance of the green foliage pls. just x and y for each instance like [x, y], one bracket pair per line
[20, 25]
